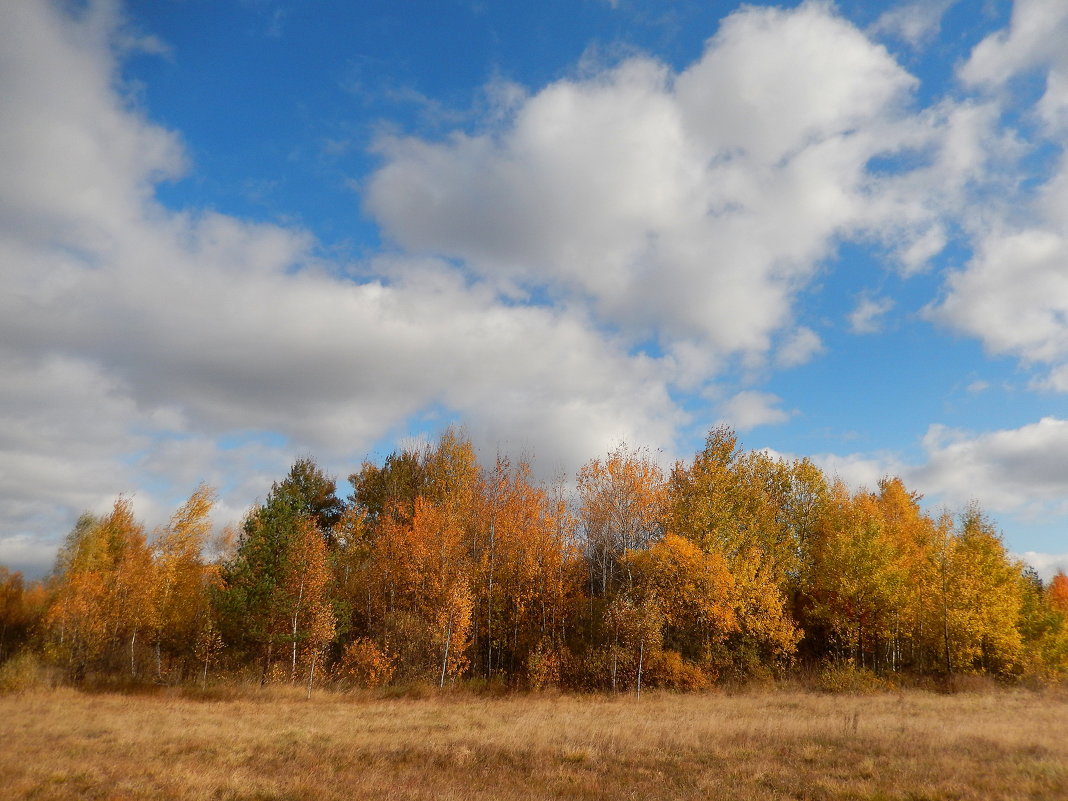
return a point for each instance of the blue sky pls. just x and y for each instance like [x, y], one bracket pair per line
[233, 233]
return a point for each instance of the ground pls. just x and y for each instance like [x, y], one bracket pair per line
[772, 744]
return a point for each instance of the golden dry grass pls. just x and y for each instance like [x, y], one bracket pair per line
[62, 744]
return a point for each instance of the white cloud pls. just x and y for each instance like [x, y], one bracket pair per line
[916, 255]
[1034, 40]
[27, 555]
[1017, 470]
[750, 408]
[1047, 565]
[685, 207]
[135, 338]
[801, 346]
[1013, 293]
[915, 22]
[866, 318]
[859, 471]
[690, 207]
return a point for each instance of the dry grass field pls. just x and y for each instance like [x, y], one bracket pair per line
[63, 744]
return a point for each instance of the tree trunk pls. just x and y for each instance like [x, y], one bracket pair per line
[311, 674]
[268, 656]
[293, 632]
[641, 656]
[445, 661]
[489, 604]
[945, 627]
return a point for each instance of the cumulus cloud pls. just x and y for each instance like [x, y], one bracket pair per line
[858, 470]
[749, 409]
[866, 318]
[915, 22]
[634, 210]
[1034, 40]
[1017, 470]
[688, 206]
[1013, 293]
[144, 346]
[800, 346]
[26, 554]
[1047, 565]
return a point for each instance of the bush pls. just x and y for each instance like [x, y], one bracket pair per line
[543, 667]
[669, 670]
[365, 664]
[22, 672]
[845, 677]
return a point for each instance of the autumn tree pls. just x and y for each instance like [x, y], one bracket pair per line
[856, 580]
[739, 506]
[103, 591]
[436, 568]
[379, 495]
[255, 599]
[451, 477]
[621, 509]
[523, 560]
[425, 577]
[414, 588]
[353, 585]
[983, 599]
[180, 596]
[1058, 592]
[304, 598]
[1043, 626]
[635, 625]
[21, 607]
[913, 634]
[694, 595]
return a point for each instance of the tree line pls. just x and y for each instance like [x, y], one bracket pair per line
[438, 569]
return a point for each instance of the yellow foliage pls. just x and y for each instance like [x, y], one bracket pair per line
[622, 505]
[695, 591]
[668, 669]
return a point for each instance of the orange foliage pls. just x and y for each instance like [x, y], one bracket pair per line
[436, 569]
[1058, 592]
[364, 663]
[104, 595]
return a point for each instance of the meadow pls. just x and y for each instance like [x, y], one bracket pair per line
[275, 744]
